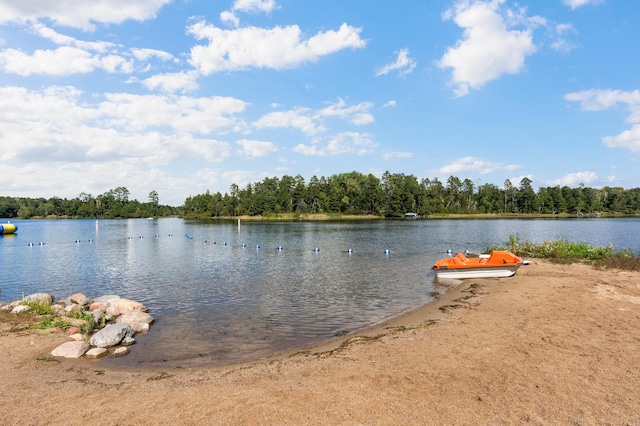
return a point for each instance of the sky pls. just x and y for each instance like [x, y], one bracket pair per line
[187, 96]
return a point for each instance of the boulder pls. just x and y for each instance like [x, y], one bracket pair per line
[121, 351]
[106, 298]
[122, 306]
[97, 316]
[20, 308]
[80, 299]
[77, 337]
[71, 349]
[98, 306]
[94, 353]
[111, 335]
[39, 297]
[138, 320]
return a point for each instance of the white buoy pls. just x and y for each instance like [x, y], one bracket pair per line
[258, 246]
[387, 251]
[349, 251]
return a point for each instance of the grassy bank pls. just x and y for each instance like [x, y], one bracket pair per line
[564, 251]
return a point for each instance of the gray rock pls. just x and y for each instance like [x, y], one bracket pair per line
[20, 308]
[39, 297]
[71, 349]
[97, 316]
[77, 337]
[106, 298]
[94, 353]
[128, 341]
[111, 335]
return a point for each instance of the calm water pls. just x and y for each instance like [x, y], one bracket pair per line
[225, 293]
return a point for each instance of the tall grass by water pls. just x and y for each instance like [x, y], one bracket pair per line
[565, 251]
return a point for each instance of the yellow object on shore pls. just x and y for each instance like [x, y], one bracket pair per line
[8, 228]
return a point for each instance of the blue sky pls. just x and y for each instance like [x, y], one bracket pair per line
[182, 96]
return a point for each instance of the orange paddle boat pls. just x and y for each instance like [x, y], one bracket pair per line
[497, 264]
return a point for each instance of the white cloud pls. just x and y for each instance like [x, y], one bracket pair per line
[61, 61]
[356, 114]
[403, 64]
[574, 179]
[298, 118]
[252, 148]
[574, 4]
[391, 104]
[489, 48]
[398, 154]
[598, 100]
[475, 165]
[182, 82]
[252, 6]
[80, 14]
[342, 143]
[277, 48]
[74, 56]
[57, 125]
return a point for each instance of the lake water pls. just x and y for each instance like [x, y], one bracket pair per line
[224, 293]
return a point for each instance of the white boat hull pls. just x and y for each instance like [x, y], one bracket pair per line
[484, 272]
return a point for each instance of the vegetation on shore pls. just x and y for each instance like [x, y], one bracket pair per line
[564, 251]
[346, 195]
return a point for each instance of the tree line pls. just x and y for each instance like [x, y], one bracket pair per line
[353, 193]
[114, 203]
[395, 194]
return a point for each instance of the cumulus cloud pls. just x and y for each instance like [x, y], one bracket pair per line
[574, 179]
[574, 4]
[74, 56]
[475, 165]
[598, 100]
[58, 124]
[490, 46]
[403, 64]
[398, 154]
[356, 114]
[253, 148]
[276, 48]
[79, 14]
[342, 143]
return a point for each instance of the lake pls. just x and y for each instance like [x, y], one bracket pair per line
[223, 292]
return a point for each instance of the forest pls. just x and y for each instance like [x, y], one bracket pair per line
[395, 194]
[353, 193]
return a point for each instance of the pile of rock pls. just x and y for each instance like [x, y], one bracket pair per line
[116, 319]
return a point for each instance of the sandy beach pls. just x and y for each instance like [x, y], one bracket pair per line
[554, 345]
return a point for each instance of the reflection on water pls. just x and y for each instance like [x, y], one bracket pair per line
[226, 293]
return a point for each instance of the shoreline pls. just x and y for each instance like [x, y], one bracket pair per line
[555, 344]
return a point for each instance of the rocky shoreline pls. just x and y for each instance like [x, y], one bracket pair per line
[98, 327]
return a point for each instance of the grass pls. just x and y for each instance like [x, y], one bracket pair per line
[564, 251]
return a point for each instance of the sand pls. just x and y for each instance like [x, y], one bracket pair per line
[554, 345]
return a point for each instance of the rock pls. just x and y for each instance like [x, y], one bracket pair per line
[97, 316]
[55, 308]
[106, 298]
[72, 330]
[95, 353]
[121, 351]
[6, 308]
[39, 297]
[80, 299]
[71, 349]
[98, 306]
[20, 308]
[122, 306]
[111, 335]
[77, 337]
[138, 320]
[128, 341]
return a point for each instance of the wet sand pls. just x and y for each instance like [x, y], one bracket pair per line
[556, 344]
